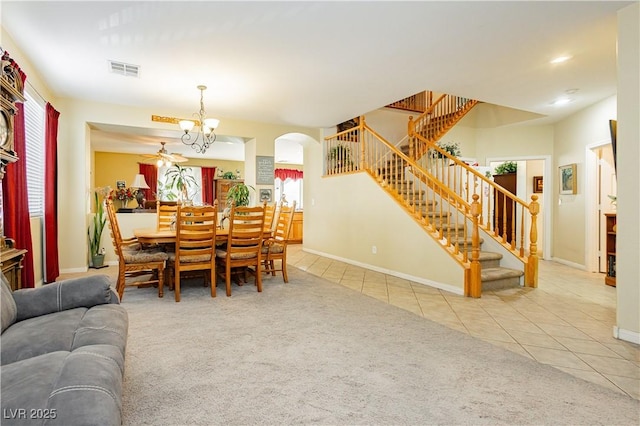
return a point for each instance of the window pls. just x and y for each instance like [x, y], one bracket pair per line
[169, 194]
[292, 190]
[34, 135]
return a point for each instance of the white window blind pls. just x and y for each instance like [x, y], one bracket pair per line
[34, 133]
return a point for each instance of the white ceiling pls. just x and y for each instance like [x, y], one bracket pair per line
[317, 63]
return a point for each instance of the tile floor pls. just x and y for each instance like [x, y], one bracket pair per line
[566, 322]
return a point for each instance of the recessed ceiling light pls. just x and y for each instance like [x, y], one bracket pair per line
[561, 101]
[560, 59]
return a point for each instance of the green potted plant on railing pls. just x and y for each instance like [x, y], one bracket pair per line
[94, 233]
[452, 148]
[340, 159]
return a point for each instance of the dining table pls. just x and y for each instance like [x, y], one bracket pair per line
[168, 236]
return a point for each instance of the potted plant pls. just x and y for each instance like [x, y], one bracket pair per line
[239, 194]
[506, 168]
[340, 158]
[181, 179]
[452, 148]
[94, 232]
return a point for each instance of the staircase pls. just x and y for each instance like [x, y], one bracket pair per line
[493, 276]
[452, 202]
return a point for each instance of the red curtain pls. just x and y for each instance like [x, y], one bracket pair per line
[284, 174]
[52, 268]
[16, 203]
[208, 175]
[150, 173]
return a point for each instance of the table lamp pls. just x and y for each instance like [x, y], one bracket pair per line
[139, 183]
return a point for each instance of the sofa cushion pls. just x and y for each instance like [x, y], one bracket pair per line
[65, 331]
[8, 308]
[26, 385]
[83, 387]
[59, 296]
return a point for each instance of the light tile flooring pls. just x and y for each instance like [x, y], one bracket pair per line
[566, 322]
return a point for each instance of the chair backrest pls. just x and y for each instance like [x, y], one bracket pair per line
[116, 236]
[196, 233]
[246, 229]
[166, 212]
[269, 215]
[285, 221]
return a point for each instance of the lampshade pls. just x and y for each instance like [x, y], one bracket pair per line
[139, 182]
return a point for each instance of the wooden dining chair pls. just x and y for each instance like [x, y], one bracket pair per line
[195, 245]
[244, 243]
[271, 213]
[133, 260]
[166, 213]
[275, 248]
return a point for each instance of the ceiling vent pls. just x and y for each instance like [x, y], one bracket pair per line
[128, 70]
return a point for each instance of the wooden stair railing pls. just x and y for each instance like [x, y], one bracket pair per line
[444, 215]
[451, 200]
[437, 120]
[466, 182]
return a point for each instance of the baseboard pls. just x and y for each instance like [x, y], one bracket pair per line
[626, 335]
[419, 280]
[570, 264]
[74, 270]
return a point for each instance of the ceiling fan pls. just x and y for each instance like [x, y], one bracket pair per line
[164, 158]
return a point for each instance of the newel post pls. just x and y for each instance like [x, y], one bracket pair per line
[410, 127]
[531, 270]
[475, 280]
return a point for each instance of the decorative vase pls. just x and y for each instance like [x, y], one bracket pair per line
[97, 260]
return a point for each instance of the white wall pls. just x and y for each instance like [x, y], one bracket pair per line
[628, 155]
[346, 215]
[572, 135]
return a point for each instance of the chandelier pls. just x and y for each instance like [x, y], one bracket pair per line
[207, 126]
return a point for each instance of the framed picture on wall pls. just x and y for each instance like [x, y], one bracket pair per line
[537, 184]
[265, 195]
[568, 179]
[121, 184]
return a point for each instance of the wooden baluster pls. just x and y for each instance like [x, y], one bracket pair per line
[514, 221]
[475, 281]
[522, 232]
[531, 268]
[362, 147]
[410, 131]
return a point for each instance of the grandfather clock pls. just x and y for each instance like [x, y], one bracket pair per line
[12, 92]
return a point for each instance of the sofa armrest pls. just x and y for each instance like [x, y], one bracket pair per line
[59, 296]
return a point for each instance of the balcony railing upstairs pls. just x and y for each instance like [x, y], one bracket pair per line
[419, 102]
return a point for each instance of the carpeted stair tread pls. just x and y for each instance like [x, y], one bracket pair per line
[500, 278]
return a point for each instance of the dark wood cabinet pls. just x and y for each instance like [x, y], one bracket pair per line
[503, 207]
[612, 229]
[221, 188]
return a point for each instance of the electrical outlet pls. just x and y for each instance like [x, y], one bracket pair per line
[374, 249]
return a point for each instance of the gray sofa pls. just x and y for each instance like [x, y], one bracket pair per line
[62, 353]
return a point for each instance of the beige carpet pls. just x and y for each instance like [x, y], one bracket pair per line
[313, 352]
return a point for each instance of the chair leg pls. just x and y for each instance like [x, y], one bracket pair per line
[272, 267]
[161, 282]
[176, 283]
[120, 284]
[227, 277]
[284, 270]
[258, 277]
[212, 280]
